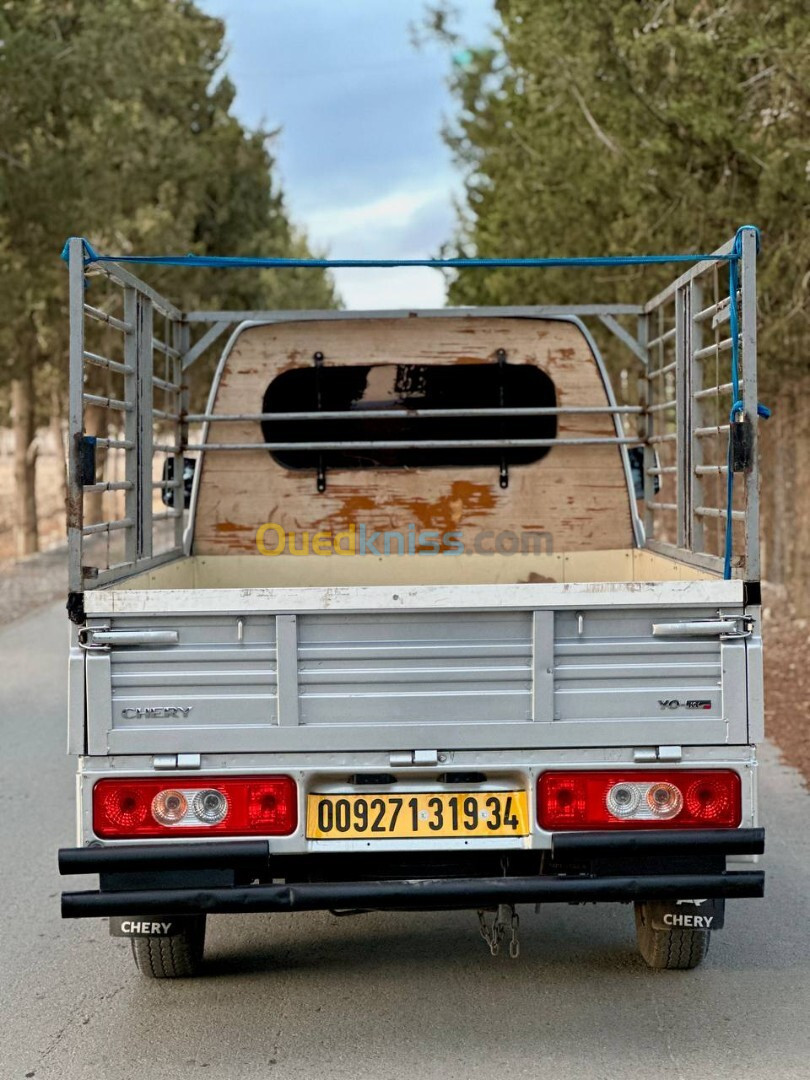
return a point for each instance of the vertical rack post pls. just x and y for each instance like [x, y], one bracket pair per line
[181, 341]
[682, 442]
[748, 356]
[648, 429]
[143, 410]
[695, 416]
[131, 423]
[75, 505]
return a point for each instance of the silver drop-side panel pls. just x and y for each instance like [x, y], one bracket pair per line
[583, 670]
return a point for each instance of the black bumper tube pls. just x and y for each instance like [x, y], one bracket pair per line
[591, 845]
[208, 855]
[411, 895]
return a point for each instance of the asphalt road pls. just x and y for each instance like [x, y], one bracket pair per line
[384, 997]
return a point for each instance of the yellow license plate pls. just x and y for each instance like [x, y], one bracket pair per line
[424, 815]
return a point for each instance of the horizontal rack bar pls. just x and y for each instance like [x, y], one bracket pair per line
[709, 470]
[412, 414]
[424, 444]
[536, 311]
[707, 432]
[110, 485]
[162, 347]
[713, 391]
[712, 350]
[713, 512]
[166, 514]
[107, 526]
[662, 370]
[161, 414]
[113, 444]
[164, 385]
[103, 317]
[107, 403]
[168, 448]
[165, 484]
[661, 405]
[671, 436]
[106, 362]
[666, 336]
[662, 506]
[114, 568]
[116, 272]
[659, 470]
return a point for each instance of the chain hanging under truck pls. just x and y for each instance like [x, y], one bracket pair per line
[504, 920]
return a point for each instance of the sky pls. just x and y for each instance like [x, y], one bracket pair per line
[359, 155]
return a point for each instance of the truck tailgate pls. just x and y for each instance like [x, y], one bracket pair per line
[428, 668]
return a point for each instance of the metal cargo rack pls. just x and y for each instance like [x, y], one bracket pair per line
[131, 352]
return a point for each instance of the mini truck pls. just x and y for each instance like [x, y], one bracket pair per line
[417, 614]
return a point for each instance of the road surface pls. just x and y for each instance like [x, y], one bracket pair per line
[397, 997]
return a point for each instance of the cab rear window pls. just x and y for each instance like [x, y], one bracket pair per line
[397, 387]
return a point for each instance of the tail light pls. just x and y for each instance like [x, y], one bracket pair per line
[647, 799]
[195, 806]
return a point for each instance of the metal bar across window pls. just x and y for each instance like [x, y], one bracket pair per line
[412, 414]
[419, 444]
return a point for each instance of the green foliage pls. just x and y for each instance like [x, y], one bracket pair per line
[637, 126]
[115, 124]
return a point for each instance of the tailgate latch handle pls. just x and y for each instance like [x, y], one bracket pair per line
[726, 627]
[102, 638]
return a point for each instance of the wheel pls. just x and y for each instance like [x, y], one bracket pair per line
[673, 949]
[174, 957]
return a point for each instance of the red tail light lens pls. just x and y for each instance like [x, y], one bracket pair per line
[645, 799]
[195, 806]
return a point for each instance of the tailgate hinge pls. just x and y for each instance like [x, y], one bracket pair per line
[399, 759]
[164, 762]
[658, 753]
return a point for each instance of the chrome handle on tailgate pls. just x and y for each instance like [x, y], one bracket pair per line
[733, 626]
[104, 638]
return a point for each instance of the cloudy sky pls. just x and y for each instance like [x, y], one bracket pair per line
[360, 154]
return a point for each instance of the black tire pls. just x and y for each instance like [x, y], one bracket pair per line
[672, 950]
[177, 957]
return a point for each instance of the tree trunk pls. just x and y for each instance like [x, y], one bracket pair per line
[58, 427]
[25, 463]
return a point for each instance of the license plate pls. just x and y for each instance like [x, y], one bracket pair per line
[424, 815]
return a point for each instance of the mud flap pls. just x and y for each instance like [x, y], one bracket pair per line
[134, 926]
[686, 914]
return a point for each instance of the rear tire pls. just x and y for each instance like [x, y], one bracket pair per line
[177, 957]
[675, 949]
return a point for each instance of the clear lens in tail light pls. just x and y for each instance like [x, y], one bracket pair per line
[195, 806]
[665, 800]
[623, 799]
[639, 799]
[210, 806]
[169, 807]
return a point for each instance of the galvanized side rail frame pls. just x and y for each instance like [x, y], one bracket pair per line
[684, 375]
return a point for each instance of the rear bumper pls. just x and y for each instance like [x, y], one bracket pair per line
[226, 877]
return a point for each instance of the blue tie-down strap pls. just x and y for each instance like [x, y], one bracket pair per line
[256, 262]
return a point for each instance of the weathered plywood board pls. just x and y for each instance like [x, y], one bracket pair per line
[576, 495]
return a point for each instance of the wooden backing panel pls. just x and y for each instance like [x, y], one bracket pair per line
[577, 495]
